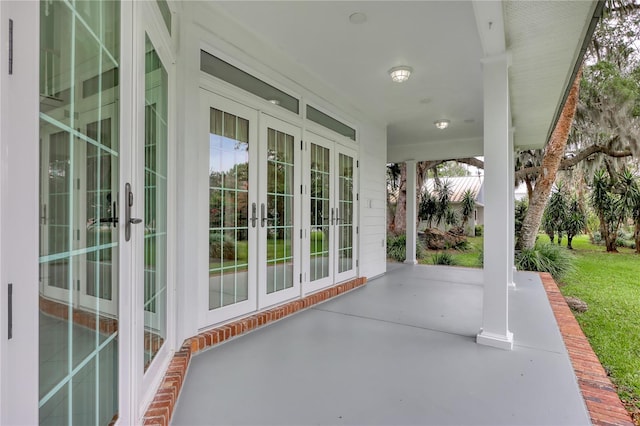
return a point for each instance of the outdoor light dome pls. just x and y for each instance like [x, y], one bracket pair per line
[400, 74]
[441, 124]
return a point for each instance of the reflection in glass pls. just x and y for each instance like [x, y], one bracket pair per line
[320, 215]
[79, 108]
[228, 209]
[279, 210]
[155, 204]
[345, 213]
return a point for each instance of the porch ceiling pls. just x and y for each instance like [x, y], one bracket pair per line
[441, 42]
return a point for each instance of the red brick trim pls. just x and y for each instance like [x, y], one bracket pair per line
[603, 403]
[160, 409]
[82, 318]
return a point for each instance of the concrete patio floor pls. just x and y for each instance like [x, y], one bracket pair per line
[399, 351]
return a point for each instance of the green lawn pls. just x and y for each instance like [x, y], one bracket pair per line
[610, 284]
[468, 258]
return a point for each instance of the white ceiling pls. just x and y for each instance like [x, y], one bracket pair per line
[440, 41]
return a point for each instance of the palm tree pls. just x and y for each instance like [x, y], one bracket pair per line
[443, 193]
[555, 213]
[575, 221]
[468, 207]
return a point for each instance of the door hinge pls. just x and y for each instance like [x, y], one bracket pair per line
[357, 197]
[357, 163]
[357, 263]
[10, 311]
[10, 46]
[357, 229]
[77, 234]
[301, 145]
[78, 184]
[78, 285]
[300, 278]
[301, 189]
[301, 234]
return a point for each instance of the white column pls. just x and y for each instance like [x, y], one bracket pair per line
[512, 206]
[411, 212]
[498, 185]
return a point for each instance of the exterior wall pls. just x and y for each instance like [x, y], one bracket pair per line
[373, 207]
[203, 28]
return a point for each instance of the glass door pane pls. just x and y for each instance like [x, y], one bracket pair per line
[320, 197]
[228, 209]
[344, 218]
[79, 155]
[155, 204]
[279, 210]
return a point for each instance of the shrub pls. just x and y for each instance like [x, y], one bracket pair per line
[443, 259]
[397, 247]
[479, 230]
[221, 246]
[462, 245]
[545, 257]
[481, 257]
[596, 237]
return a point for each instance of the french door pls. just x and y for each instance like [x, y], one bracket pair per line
[103, 208]
[253, 192]
[80, 164]
[332, 201]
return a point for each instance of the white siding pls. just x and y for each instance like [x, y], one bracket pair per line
[373, 208]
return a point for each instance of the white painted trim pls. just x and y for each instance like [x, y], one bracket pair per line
[498, 184]
[19, 232]
[495, 340]
[434, 150]
[149, 23]
[490, 23]
[126, 312]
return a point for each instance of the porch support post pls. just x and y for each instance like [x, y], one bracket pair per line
[512, 209]
[498, 185]
[411, 213]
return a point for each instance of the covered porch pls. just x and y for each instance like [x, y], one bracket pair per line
[400, 350]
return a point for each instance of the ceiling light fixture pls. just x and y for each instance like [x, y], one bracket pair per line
[441, 124]
[400, 74]
[274, 101]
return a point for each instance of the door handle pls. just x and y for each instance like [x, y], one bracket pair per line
[128, 220]
[254, 212]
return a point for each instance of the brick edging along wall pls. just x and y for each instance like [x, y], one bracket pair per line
[597, 390]
[160, 409]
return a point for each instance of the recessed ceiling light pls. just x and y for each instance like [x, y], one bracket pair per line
[442, 124]
[400, 74]
[274, 101]
[358, 18]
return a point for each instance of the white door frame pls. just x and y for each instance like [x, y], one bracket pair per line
[207, 317]
[19, 183]
[147, 22]
[264, 299]
[311, 286]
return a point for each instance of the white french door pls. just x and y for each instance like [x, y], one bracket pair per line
[252, 161]
[279, 200]
[332, 201]
[229, 162]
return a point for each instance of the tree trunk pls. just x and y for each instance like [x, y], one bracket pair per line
[400, 219]
[569, 239]
[550, 164]
[637, 236]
